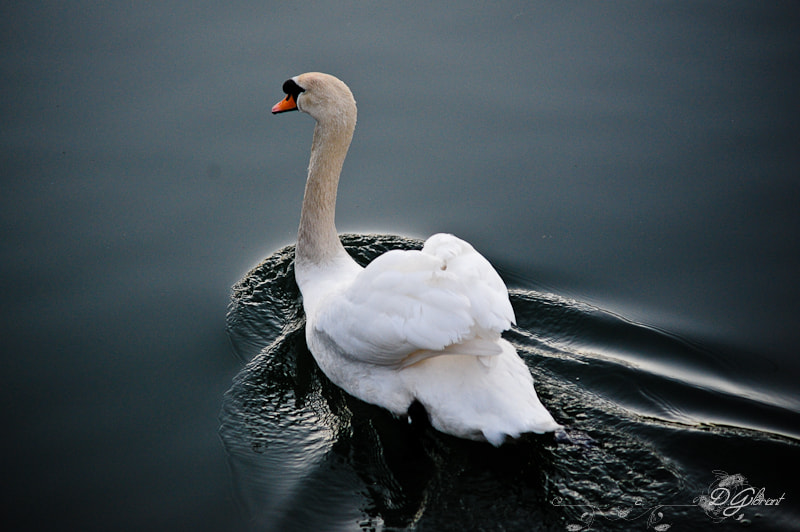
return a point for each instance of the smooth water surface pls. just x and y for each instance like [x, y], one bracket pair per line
[629, 168]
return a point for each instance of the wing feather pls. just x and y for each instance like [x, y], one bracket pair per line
[421, 302]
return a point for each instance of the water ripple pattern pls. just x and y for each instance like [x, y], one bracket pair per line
[305, 455]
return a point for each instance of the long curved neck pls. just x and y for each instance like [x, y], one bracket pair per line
[317, 239]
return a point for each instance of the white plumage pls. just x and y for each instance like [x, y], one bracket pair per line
[413, 325]
[406, 301]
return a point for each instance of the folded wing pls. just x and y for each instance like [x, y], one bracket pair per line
[406, 306]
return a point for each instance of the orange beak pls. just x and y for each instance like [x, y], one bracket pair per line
[287, 104]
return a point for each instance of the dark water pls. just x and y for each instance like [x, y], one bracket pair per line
[305, 455]
[630, 168]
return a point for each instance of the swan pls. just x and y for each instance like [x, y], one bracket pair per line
[414, 326]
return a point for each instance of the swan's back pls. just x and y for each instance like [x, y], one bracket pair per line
[426, 326]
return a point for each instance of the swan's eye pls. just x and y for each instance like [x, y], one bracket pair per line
[292, 89]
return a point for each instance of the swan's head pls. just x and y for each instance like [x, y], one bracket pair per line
[324, 97]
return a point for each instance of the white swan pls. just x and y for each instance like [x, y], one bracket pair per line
[413, 325]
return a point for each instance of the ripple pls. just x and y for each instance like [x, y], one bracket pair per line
[304, 454]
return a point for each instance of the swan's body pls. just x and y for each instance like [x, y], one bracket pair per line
[413, 325]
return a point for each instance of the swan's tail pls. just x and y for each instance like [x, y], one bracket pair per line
[467, 397]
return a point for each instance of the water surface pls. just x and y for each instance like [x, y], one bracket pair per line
[630, 169]
[632, 398]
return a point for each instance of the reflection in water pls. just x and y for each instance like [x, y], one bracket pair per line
[305, 455]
